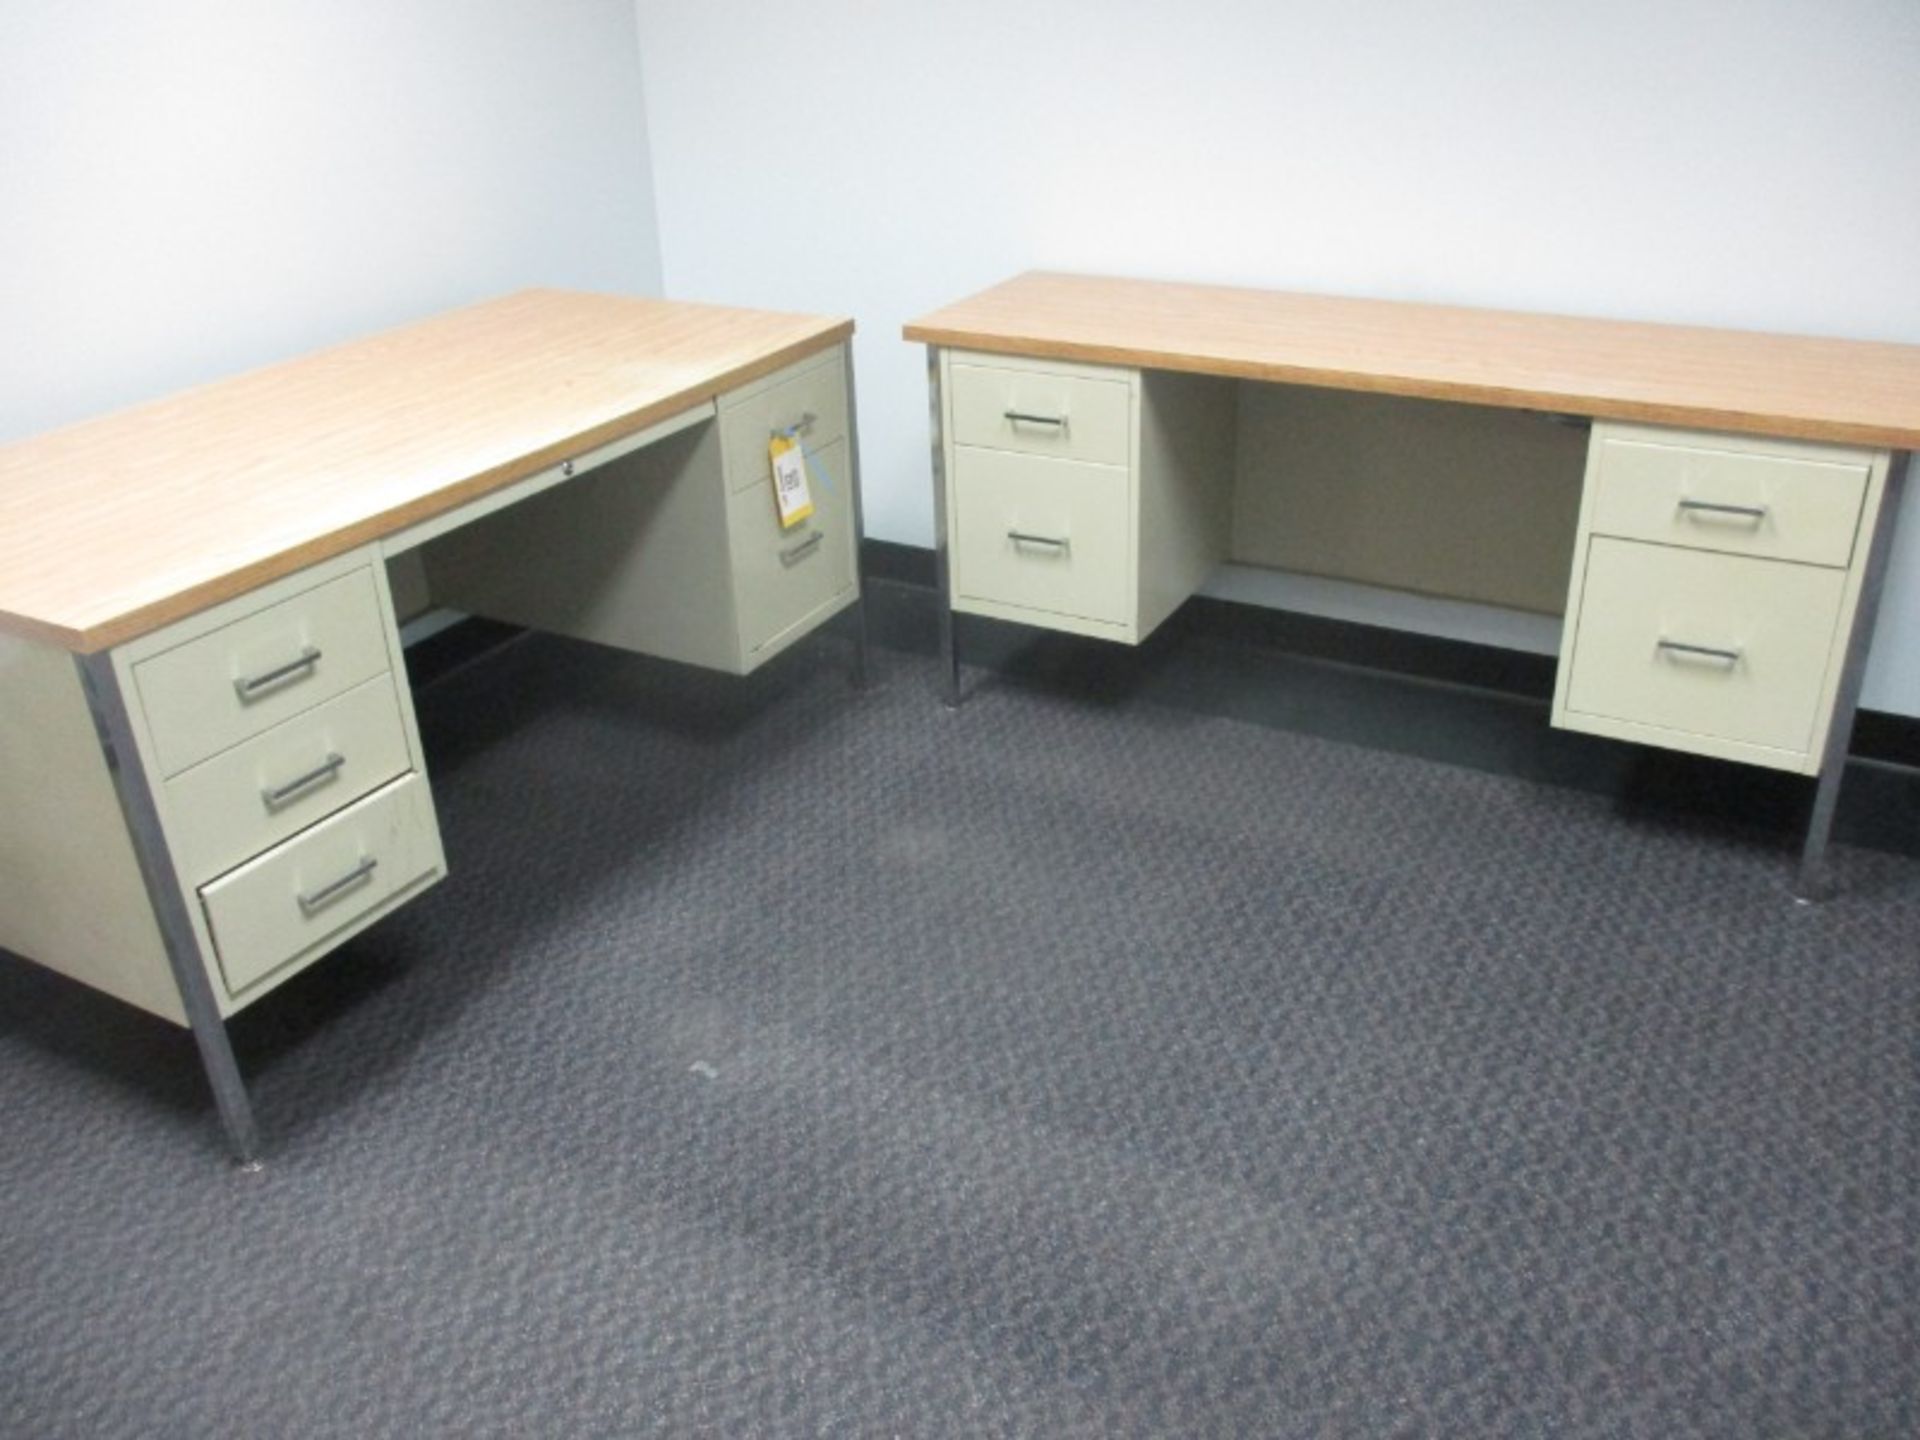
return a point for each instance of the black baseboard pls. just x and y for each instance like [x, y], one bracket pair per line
[1883, 736]
[1877, 734]
[454, 645]
[1373, 647]
[902, 564]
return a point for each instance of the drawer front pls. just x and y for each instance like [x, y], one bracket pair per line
[817, 388]
[780, 576]
[216, 690]
[1779, 619]
[1045, 534]
[276, 909]
[250, 798]
[1036, 413]
[1785, 507]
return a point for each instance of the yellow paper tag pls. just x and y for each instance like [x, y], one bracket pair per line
[790, 490]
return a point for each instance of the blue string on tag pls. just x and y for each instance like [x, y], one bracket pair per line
[814, 467]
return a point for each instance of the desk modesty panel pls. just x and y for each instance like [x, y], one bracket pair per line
[210, 771]
[1730, 542]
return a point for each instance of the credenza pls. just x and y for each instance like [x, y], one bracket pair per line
[1733, 523]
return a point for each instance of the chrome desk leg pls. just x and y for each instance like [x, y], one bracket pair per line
[130, 783]
[1814, 881]
[860, 671]
[942, 540]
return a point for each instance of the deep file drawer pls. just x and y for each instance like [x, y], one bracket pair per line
[219, 688]
[1037, 412]
[291, 900]
[1050, 535]
[1705, 644]
[245, 800]
[782, 575]
[1790, 502]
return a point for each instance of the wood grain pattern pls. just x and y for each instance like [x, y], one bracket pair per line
[1856, 392]
[114, 527]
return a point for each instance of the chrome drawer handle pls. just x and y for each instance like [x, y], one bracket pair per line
[799, 427]
[1021, 537]
[794, 554]
[251, 685]
[1711, 652]
[334, 889]
[1022, 417]
[277, 795]
[1745, 512]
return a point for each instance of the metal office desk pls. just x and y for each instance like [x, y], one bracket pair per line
[1733, 522]
[210, 775]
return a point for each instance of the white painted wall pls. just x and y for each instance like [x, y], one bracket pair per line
[1746, 163]
[195, 187]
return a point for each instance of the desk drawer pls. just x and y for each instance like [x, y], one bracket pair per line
[1779, 619]
[292, 899]
[1050, 535]
[220, 688]
[816, 387]
[1788, 505]
[1036, 412]
[248, 799]
[781, 576]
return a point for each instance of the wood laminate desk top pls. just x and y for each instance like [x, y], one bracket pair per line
[1856, 392]
[117, 526]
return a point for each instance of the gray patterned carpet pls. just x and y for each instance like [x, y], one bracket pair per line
[781, 1061]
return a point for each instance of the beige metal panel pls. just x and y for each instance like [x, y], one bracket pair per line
[1850, 391]
[118, 526]
[231, 807]
[1457, 501]
[1692, 742]
[295, 901]
[1095, 415]
[1387, 609]
[1185, 483]
[634, 554]
[799, 627]
[816, 387]
[193, 694]
[407, 579]
[526, 488]
[1047, 535]
[71, 896]
[781, 576]
[1653, 484]
[1122, 634]
[1576, 587]
[1779, 618]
